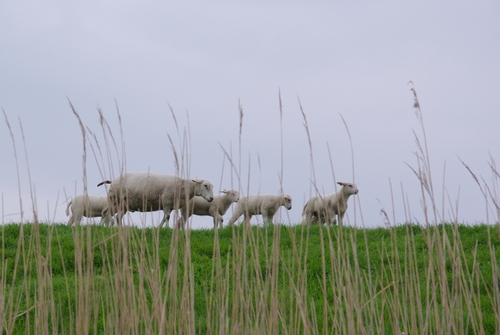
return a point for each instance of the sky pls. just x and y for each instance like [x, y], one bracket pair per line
[321, 89]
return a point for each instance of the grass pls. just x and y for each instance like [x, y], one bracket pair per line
[426, 278]
[271, 279]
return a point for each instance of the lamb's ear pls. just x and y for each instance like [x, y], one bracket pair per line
[224, 191]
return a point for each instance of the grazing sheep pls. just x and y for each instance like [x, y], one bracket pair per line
[322, 209]
[85, 205]
[264, 204]
[216, 209]
[147, 192]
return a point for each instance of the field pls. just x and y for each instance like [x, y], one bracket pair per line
[434, 277]
[274, 279]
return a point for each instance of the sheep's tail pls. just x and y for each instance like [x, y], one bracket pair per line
[304, 210]
[104, 182]
[67, 207]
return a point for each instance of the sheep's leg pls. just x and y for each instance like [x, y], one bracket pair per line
[104, 217]
[267, 217]
[220, 221]
[107, 221]
[237, 213]
[308, 218]
[119, 218]
[180, 223]
[247, 217]
[217, 221]
[315, 217]
[120, 212]
[341, 217]
[78, 218]
[326, 218]
[107, 215]
[166, 218]
[330, 220]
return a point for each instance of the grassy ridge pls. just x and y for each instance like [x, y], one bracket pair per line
[272, 279]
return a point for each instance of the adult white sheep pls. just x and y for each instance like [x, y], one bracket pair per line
[262, 204]
[147, 192]
[85, 205]
[323, 209]
[216, 209]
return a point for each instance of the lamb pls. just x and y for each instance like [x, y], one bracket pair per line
[322, 209]
[85, 205]
[216, 209]
[147, 192]
[263, 204]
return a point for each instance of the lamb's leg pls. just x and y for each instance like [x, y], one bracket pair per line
[315, 217]
[217, 221]
[308, 218]
[267, 216]
[330, 219]
[341, 217]
[237, 213]
[247, 218]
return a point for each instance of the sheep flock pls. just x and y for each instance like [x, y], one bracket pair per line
[147, 192]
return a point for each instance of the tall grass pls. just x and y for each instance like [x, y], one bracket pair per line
[432, 277]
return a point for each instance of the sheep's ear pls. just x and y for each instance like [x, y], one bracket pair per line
[224, 191]
[341, 183]
[197, 181]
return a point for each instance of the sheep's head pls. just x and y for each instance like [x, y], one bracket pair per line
[204, 189]
[348, 188]
[232, 194]
[287, 201]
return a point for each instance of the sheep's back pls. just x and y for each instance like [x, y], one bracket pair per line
[252, 203]
[144, 188]
[201, 206]
[98, 203]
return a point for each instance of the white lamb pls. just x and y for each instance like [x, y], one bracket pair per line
[85, 205]
[147, 192]
[322, 209]
[263, 204]
[216, 209]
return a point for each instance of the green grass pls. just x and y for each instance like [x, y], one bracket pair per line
[273, 279]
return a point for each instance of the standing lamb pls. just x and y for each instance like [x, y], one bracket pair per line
[263, 204]
[322, 209]
[85, 205]
[216, 209]
[147, 192]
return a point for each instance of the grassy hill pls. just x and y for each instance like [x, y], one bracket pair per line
[263, 280]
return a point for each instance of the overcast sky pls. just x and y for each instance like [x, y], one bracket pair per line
[347, 65]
